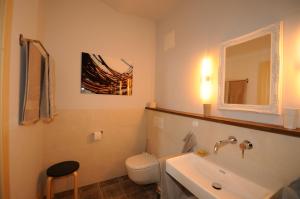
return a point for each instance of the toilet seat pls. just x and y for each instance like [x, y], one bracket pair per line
[141, 161]
[143, 168]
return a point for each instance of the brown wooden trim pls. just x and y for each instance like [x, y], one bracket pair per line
[4, 98]
[234, 122]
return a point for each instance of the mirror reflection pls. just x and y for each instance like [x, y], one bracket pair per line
[247, 72]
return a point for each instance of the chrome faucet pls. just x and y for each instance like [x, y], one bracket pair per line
[218, 145]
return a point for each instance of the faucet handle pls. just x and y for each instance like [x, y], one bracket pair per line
[245, 145]
[232, 139]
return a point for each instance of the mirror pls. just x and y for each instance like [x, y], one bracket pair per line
[249, 71]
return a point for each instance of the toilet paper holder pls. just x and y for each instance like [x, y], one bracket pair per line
[97, 135]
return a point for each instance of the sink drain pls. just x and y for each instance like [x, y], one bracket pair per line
[216, 186]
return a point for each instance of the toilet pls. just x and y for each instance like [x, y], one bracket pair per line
[143, 168]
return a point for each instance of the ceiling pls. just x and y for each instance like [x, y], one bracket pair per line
[151, 9]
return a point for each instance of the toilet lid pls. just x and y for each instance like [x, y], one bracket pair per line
[141, 161]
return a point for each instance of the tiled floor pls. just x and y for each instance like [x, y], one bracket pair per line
[118, 188]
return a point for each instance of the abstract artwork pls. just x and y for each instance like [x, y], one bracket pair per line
[100, 76]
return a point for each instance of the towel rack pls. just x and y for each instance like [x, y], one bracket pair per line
[246, 80]
[22, 39]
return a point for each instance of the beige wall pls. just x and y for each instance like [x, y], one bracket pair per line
[273, 162]
[25, 142]
[200, 28]
[69, 28]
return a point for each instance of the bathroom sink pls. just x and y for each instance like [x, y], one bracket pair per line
[209, 181]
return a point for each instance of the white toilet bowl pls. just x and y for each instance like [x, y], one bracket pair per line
[143, 168]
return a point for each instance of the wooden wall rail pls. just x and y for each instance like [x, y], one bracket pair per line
[240, 123]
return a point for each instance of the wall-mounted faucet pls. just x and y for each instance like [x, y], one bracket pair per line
[218, 145]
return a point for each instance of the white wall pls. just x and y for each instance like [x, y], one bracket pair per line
[25, 142]
[70, 27]
[200, 28]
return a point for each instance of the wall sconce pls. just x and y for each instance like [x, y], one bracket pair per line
[206, 85]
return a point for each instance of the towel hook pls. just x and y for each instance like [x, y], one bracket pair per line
[21, 39]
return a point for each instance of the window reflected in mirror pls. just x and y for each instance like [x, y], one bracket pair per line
[248, 71]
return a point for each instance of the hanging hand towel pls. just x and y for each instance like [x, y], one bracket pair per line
[190, 142]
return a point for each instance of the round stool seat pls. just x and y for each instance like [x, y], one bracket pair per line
[62, 168]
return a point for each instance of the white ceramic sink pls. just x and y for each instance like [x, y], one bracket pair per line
[197, 174]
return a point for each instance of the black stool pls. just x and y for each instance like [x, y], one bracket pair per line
[62, 169]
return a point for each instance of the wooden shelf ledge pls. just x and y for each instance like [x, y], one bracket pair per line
[234, 122]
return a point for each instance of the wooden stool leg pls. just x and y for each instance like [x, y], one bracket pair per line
[49, 187]
[75, 185]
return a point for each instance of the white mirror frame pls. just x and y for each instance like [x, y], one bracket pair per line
[276, 61]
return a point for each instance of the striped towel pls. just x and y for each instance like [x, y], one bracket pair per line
[36, 86]
[30, 85]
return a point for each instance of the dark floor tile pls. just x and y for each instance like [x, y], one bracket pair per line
[117, 188]
[130, 187]
[112, 191]
[109, 182]
[150, 187]
[152, 195]
[143, 195]
[137, 195]
[64, 195]
[119, 197]
[90, 192]
[123, 178]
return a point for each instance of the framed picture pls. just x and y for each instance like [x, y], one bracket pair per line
[110, 76]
